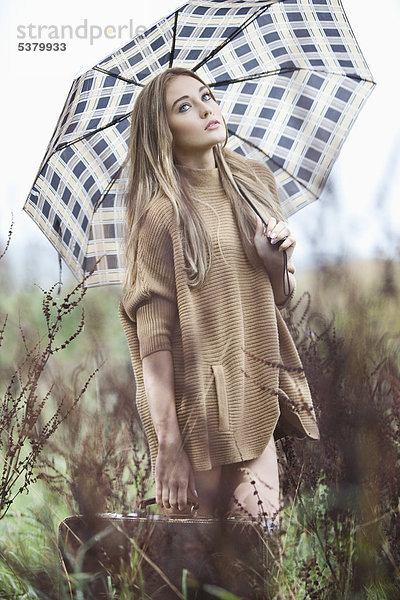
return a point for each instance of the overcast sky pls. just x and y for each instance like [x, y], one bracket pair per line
[363, 218]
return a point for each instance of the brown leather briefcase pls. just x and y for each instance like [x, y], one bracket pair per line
[160, 556]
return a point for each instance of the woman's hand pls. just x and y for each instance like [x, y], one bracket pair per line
[265, 240]
[174, 476]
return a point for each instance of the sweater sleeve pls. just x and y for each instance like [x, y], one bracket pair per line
[151, 304]
[267, 177]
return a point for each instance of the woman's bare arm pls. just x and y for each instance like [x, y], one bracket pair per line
[173, 472]
[158, 376]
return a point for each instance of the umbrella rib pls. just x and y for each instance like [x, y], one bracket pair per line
[254, 76]
[86, 135]
[111, 183]
[125, 79]
[171, 54]
[232, 36]
[246, 141]
[284, 70]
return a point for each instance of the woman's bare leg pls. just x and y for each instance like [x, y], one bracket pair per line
[226, 488]
[208, 487]
[263, 470]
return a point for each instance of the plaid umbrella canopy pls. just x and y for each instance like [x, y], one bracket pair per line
[290, 79]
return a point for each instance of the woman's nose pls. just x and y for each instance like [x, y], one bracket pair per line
[206, 111]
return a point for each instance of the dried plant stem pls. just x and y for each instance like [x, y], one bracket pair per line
[24, 427]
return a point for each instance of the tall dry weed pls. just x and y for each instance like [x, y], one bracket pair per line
[346, 487]
[28, 416]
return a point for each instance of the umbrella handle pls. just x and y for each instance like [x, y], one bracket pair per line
[277, 244]
[286, 282]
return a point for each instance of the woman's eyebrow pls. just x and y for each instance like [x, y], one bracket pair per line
[203, 87]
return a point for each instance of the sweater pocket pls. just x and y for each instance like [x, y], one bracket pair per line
[223, 411]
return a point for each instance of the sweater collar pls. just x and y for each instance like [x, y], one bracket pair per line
[205, 179]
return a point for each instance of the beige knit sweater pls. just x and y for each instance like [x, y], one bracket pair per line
[228, 402]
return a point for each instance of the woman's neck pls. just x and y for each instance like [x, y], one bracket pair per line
[198, 161]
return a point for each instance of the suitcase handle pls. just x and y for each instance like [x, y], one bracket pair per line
[194, 506]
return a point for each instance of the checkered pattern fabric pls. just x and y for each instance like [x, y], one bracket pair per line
[290, 79]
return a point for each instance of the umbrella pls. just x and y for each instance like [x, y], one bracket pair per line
[289, 76]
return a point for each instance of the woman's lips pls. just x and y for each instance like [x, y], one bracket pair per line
[212, 125]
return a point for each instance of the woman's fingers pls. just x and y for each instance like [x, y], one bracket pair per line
[274, 229]
[187, 491]
[192, 484]
[159, 492]
[182, 496]
[165, 497]
[173, 497]
[174, 479]
[277, 231]
[287, 243]
[271, 224]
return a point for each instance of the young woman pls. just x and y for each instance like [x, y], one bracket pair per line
[217, 373]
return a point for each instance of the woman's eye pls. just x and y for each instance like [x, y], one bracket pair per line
[205, 97]
[182, 108]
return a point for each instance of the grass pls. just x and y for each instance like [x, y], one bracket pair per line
[340, 529]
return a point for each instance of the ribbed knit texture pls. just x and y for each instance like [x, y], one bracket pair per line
[228, 402]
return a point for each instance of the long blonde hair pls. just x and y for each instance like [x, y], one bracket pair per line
[153, 173]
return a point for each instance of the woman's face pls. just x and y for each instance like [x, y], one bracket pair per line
[194, 118]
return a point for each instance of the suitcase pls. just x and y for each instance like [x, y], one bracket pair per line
[161, 556]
